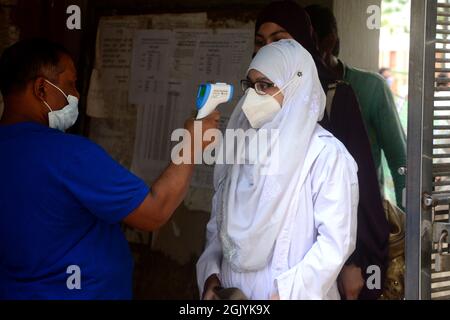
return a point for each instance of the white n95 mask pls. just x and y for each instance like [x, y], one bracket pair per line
[259, 109]
[66, 117]
[262, 109]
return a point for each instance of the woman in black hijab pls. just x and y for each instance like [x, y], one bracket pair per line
[287, 20]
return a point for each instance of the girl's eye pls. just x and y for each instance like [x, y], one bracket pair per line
[264, 86]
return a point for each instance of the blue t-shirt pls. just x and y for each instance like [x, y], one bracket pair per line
[62, 199]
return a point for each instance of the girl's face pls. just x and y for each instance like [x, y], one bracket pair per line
[269, 87]
[269, 32]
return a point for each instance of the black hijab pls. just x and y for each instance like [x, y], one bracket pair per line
[295, 20]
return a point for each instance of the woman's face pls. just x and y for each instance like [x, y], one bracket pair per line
[269, 32]
[256, 76]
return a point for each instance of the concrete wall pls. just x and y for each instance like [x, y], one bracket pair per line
[359, 45]
[9, 33]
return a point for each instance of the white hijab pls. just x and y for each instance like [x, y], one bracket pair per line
[253, 205]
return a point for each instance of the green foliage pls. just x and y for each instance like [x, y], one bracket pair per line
[395, 15]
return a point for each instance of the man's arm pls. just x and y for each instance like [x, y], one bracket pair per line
[170, 189]
[392, 138]
[164, 198]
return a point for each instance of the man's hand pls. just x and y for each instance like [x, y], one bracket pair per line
[211, 284]
[210, 122]
[351, 282]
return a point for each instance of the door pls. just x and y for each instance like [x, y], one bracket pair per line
[428, 180]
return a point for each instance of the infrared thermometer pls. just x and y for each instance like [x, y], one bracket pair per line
[210, 96]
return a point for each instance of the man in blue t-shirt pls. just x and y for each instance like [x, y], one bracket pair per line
[62, 198]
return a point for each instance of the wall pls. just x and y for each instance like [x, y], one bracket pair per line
[359, 45]
[9, 32]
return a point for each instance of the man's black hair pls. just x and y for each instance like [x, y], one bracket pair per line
[26, 60]
[322, 19]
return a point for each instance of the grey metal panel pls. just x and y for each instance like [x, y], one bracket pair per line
[439, 200]
[440, 288]
[420, 148]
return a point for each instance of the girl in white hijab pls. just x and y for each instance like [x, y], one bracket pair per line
[284, 227]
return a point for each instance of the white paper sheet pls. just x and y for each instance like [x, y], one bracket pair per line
[176, 63]
[222, 56]
[178, 21]
[162, 111]
[150, 66]
[108, 94]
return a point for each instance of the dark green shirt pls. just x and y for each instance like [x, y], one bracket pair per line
[382, 123]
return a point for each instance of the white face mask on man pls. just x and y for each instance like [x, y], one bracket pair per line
[66, 117]
[262, 109]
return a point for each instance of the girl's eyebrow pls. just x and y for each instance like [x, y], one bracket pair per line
[278, 32]
[259, 79]
[273, 34]
[263, 79]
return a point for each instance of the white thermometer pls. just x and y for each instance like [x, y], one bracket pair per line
[210, 96]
